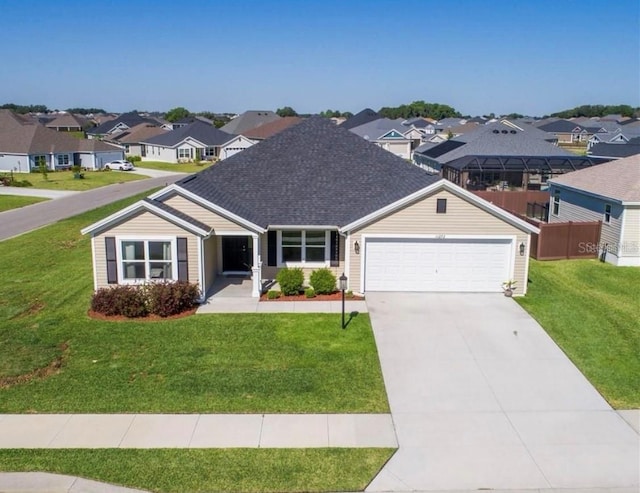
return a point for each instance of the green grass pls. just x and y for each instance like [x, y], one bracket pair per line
[64, 180]
[592, 311]
[210, 470]
[206, 363]
[8, 202]
[180, 168]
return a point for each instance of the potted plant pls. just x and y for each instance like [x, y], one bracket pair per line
[508, 287]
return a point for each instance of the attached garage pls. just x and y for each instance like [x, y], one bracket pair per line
[454, 264]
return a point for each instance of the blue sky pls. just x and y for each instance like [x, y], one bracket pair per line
[532, 57]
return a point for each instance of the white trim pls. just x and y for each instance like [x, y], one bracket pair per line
[513, 239]
[286, 227]
[527, 253]
[347, 256]
[201, 270]
[93, 260]
[133, 208]
[442, 184]
[146, 239]
[304, 263]
[208, 205]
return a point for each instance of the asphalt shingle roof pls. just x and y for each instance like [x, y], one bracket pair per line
[375, 129]
[129, 119]
[31, 139]
[618, 180]
[314, 173]
[249, 120]
[365, 116]
[606, 149]
[202, 132]
[175, 212]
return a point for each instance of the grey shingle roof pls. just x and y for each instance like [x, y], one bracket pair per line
[249, 120]
[175, 212]
[566, 126]
[606, 149]
[32, 138]
[375, 129]
[365, 116]
[314, 173]
[500, 139]
[129, 119]
[202, 132]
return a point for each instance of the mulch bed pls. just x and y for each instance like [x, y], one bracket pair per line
[148, 318]
[319, 297]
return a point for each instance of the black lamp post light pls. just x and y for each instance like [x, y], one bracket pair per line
[343, 288]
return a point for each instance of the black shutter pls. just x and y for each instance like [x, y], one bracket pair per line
[112, 262]
[272, 248]
[335, 249]
[183, 262]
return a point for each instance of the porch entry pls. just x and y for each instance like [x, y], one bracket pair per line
[237, 254]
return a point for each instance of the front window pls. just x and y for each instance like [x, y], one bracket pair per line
[556, 202]
[39, 160]
[63, 159]
[144, 260]
[184, 153]
[304, 246]
[607, 213]
[210, 152]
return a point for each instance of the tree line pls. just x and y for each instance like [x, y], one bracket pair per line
[41, 108]
[591, 110]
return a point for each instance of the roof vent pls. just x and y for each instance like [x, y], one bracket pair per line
[505, 131]
[496, 131]
[513, 132]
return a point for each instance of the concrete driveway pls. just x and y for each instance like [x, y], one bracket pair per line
[481, 397]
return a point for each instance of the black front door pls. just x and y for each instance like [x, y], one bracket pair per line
[236, 253]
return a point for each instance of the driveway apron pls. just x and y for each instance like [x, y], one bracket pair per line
[481, 397]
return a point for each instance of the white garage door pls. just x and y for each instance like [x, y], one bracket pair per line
[458, 265]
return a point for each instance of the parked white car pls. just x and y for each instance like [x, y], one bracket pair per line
[119, 164]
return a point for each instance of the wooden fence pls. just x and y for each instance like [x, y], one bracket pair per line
[570, 240]
[514, 202]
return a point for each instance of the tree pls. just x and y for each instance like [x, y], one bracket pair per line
[176, 114]
[436, 111]
[286, 111]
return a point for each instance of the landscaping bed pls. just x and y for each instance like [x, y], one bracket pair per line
[337, 296]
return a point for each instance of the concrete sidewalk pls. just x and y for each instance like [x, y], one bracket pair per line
[44, 482]
[37, 192]
[196, 431]
[252, 305]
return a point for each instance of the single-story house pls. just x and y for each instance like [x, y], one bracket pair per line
[197, 141]
[23, 146]
[249, 120]
[67, 122]
[609, 193]
[269, 129]
[568, 132]
[123, 122]
[131, 139]
[388, 134]
[315, 195]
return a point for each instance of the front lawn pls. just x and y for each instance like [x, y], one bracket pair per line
[592, 311]
[178, 168]
[8, 202]
[54, 358]
[208, 470]
[64, 180]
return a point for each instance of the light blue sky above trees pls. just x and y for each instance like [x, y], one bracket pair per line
[502, 56]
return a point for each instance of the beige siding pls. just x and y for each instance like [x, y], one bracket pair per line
[461, 218]
[210, 254]
[269, 273]
[211, 219]
[631, 234]
[145, 225]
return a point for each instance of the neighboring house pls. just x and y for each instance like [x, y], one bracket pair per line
[387, 134]
[365, 116]
[270, 129]
[609, 193]
[621, 136]
[24, 146]
[568, 132]
[119, 124]
[315, 195]
[499, 155]
[67, 122]
[131, 140]
[195, 142]
[248, 121]
[183, 122]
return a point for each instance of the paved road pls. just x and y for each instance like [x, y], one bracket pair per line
[18, 221]
[481, 397]
[36, 192]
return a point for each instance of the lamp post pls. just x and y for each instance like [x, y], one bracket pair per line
[343, 288]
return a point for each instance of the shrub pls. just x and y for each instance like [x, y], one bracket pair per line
[290, 280]
[133, 159]
[309, 293]
[323, 281]
[273, 294]
[171, 297]
[348, 294]
[128, 301]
